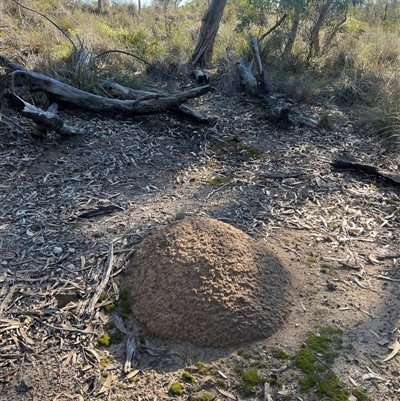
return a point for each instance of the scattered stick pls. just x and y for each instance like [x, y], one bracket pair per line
[216, 190]
[100, 288]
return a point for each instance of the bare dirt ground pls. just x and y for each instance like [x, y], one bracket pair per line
[337, 232]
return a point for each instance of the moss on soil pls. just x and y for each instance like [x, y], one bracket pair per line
[206, 397]
[250, 379]
[177, 388]
[188, 377]
[323, 343]
[234, 147]
[280, 354]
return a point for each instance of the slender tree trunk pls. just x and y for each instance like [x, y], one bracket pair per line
[292, 35]
[314, 40]
[202, 54]
[334, 31]
[99, 6]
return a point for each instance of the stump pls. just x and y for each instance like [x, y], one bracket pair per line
[205, 282]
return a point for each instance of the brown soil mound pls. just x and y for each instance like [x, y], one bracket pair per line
[206, 282]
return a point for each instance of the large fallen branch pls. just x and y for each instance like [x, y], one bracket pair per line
[90, 101]
[126, 93]
[43, 120]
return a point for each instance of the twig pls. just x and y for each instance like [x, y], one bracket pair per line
[284, 16]
[216, 190]
[293, 250]
[71, 329]
[132, 55]
[103, 284]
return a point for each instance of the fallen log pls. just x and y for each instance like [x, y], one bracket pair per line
[126, 93]
[367, 169]
[43, 121]
[97, 103]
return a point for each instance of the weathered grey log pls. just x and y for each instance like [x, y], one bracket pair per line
[90, 101]
[126, 93]
[261, 85]
[44, 120]
[247, 78]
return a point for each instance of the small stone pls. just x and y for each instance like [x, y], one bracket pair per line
[57, 250]
[365, 339]
[24, 386]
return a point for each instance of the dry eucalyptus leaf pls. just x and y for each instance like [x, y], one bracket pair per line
[396, 349]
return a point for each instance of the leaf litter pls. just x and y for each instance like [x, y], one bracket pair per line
[69, 222]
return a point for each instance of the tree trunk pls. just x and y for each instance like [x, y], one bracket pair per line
[334, 31]
[292, 35]
[99, 6]
[314, 40]
[202, 54]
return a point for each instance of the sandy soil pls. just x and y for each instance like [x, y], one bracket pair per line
[337, 232]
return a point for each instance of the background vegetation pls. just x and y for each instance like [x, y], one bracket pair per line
[353, 62]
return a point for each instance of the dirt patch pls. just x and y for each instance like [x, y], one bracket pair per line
[336, 231]
[206, 282]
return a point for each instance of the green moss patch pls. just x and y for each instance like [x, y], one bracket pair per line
[241, 352]
[188, 377]
[314, 360]
[331, 388]
[104, 340]
[106, 360]
[205, 370]
[250, 379]
[120, 303]
[236, 148]
[177, 388]
[109, 338]
[206, 397]
[280, 354]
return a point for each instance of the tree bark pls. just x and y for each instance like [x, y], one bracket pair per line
[292, 35]
[202, 54]
[314, 40]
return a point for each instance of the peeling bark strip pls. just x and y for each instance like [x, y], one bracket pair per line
[89, 101]
[44, 120]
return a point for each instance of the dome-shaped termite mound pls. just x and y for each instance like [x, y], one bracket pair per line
[203, 281]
